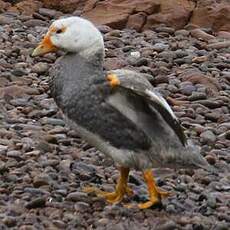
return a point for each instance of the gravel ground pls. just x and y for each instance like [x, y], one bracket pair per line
[44, 165]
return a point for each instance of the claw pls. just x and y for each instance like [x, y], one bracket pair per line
[121, 189]
[155, 193]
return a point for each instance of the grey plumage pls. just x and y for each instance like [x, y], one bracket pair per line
[131, 123]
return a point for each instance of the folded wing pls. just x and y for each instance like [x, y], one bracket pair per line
[133, 85]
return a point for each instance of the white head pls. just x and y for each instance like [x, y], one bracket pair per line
[72, 34]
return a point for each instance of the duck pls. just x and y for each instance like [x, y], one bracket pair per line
[118, 112]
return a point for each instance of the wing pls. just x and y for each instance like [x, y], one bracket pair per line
[143, 95]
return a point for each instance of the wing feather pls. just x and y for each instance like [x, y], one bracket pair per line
[137, 84]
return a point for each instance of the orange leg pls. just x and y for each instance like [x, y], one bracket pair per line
[155, 194]
[121, 188]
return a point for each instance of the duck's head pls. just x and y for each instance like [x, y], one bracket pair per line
[72, 34]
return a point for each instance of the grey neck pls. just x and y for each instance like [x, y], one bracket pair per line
[95, 48]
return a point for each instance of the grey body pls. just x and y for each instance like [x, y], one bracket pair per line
[130, 123]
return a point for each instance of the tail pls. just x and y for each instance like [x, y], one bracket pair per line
[197, 160]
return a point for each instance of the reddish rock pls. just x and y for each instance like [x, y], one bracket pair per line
[4, 6]
[175, 13]
[114, 63]
[65, 6]
[200, 34]
[119, 13]
[112, 13]
[17, 91]
[214, 14]
[27, 7]
[224, 34]
[219, 45]
[137, 21]
[196, 77]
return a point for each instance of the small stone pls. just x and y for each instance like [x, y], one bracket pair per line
[60, 224]
[65, 165]
[31, 38]
[208, 137]
[211, 159]
[10, 221]
[50, 139]
[187, 89]
[103, 221]
[14, 154]
[81, 206]
[40, 180]
[52, 121]
[171, 208]
[141, 62]
[18, 72]
[3, 149]
[27, 227]
[3, 167]
[169, 225]
[4, 20]
[200, 59]
[211, 200]
[76, 196]
[39, 202]
[35, 22]
[160, 47]
[197, 96]
[48, 12]
[165, 29]
[40, 68]
[135, 54]
[221, 226]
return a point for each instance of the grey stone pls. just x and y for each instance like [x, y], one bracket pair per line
[36, 203]
[3, 149]
[77, 196]
[40, 68]
[211, 200]
[41, 179]
[208, 137]
[160, 47]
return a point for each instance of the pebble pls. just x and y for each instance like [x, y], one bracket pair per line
[135, 54]
[52, 121]
[40, 68]
[211, 200]
[48, 12]
[169, 225]
[208, 137]
[14, 154]
[4, 20]
[221, 226]
[3, 149]
[76, 196]
[187, 89]
[160, 47]
[81, 206]
[9, 221]
[39, 202]
[35, 22]
[41, 179]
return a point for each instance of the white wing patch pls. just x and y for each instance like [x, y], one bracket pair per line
[120, 102]
[160, 100]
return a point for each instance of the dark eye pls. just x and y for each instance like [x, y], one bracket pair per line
[59, 31]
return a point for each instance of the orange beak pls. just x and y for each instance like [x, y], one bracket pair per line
[46, 46]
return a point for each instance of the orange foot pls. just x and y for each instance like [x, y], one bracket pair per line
[121, 189]
[155, 193]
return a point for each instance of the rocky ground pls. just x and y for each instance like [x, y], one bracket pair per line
[44, 165]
